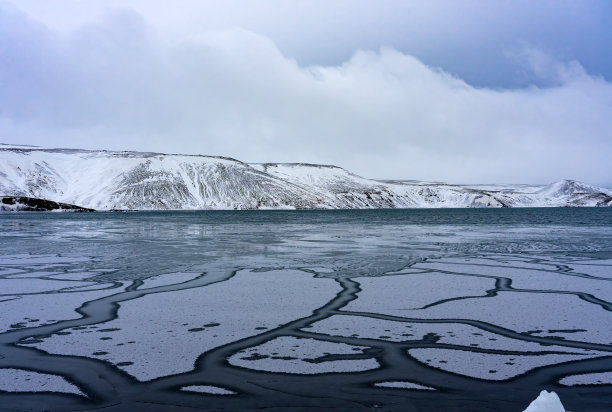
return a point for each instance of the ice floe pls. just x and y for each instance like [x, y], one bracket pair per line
[208, 389]
[560, 316]
[40, 309]
[443, 333]
[168, 279]
[403, 385]
[163, 333]
[399, 293]
[489, 366]
[602, 268]
[530, 277]
[599, 378]
[19, 380]
[288, 354]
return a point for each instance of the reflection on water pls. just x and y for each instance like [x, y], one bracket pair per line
[353, 243]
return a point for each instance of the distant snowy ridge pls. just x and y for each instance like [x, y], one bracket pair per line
[104, 180]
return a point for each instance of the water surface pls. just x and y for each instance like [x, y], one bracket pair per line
[450, 309]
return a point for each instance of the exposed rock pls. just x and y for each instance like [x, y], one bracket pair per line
[32, 204]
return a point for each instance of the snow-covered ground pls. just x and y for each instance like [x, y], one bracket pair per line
[152, 181]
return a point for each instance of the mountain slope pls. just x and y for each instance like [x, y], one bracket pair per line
[135, 180]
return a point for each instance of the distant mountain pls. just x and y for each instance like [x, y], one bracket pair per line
[105, 180]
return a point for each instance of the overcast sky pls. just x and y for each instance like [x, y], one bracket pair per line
[455, 91]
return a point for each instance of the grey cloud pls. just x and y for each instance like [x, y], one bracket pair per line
[469, 38]
[119, 85]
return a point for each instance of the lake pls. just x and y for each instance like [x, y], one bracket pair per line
[411, 310]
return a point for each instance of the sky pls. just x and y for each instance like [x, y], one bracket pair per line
[454, 91]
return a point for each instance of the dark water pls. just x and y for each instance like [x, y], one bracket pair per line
[535, 255]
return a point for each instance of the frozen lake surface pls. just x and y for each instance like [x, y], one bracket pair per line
[411, 310]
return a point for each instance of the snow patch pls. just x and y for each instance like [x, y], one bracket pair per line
[208, 389]
[403, 385]
[174, 328]
[600, 378]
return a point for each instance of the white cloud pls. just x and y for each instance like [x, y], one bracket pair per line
[119, 85]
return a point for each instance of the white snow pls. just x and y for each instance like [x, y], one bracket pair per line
[490, 366]
[72, 275]
[296, 355]
[18, 380]
[163, 333]
[546, 402]
[134, 180]
[399, 294]
[602, 268]
[167, 279]
[599, 378]
[34, 285]
[448, 333]
[36, 301]
[41, 309]
[542, 314]
[208, 389]
[532, 276]
[565, 316]
[403, 385]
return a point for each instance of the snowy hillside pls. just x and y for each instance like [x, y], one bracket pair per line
[133, 180]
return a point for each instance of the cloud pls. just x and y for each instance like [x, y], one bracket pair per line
[549, 71]
[118, 84]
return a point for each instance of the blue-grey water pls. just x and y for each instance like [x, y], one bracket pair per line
[483, 307]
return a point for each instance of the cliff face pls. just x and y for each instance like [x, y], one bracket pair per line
[151, 181]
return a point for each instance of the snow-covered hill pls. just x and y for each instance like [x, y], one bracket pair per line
[134, 180]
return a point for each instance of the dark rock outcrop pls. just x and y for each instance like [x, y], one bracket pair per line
[33, 204]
